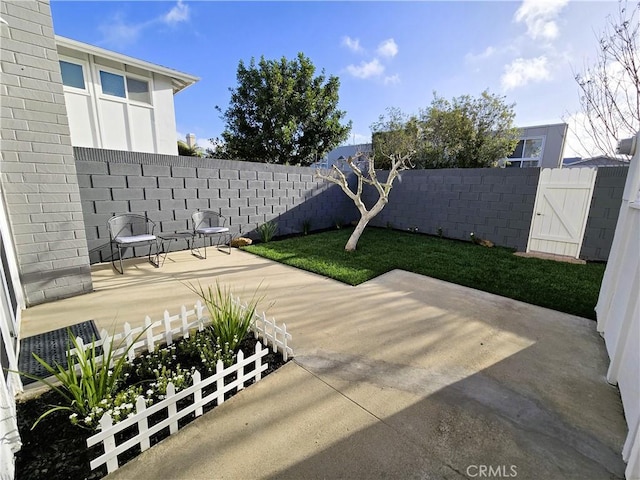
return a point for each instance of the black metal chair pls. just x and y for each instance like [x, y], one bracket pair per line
[208, 224]
[131, 230]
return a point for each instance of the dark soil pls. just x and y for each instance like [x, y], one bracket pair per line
[57, 450]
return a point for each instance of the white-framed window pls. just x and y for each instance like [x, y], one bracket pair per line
[125, 86]
[73, 74]
[528, 153]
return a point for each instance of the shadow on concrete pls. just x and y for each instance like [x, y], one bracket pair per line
[459, 429]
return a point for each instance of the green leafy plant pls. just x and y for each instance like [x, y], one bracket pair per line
[267, 230]
[440, 234]
[306, 226]
[230, 320]
[203, 347]
[87, 379]
[162, 365]
[120, 406]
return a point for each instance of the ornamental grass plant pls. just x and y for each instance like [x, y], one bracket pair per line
[90, 381]
[230, 319]
[267, 231]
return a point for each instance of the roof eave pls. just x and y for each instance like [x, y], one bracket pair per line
[179, 80]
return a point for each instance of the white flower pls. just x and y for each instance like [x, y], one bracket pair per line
[73, 415]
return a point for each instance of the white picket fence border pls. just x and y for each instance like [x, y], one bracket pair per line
[108, 430]
[144, 339]
[274, 334]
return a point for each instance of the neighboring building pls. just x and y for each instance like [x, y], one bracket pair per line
[338, 156]
[570, 161]
[540, 146]
[118, 102]
[601, 161]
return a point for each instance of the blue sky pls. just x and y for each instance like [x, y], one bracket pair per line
[386, 54]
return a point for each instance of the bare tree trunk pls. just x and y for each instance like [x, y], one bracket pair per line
[357, 232]
[399, 158]
[365, 218]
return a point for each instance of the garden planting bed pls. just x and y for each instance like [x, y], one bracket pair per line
[57, 449]
[125, 392]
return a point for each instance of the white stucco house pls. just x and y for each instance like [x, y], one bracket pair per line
[118, 102]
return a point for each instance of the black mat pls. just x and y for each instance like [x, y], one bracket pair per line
[52, 348]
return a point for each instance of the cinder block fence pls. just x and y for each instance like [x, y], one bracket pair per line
[496, 204]
[169, 189]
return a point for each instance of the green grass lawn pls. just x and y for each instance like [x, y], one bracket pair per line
[560, 286]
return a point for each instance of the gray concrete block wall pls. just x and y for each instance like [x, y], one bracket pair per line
[169, 189]
[39, 182]
[603, 213]
[494, 204]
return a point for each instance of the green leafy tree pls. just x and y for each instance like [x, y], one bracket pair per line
[395, 134]
[185, 150]
[281, 112]
[465, 132]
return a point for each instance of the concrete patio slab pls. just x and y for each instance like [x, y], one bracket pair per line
[401, 377]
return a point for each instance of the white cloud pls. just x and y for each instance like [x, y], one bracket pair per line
[392, 79]
[357, 139]
[539, 16]
[119, 33]
[473, 57]
[204, 143]
[388, 48]
[522, 71]
[179, 13]
[352, 44]
[366, 69]
[579, 141]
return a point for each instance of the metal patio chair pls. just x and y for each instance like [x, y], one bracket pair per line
[208, 224]
[131, 230]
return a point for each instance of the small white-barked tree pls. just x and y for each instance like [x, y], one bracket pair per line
[395, 147]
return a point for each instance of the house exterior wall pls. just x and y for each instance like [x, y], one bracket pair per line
[603, 213]
[106, 121]
[554, 138]
[618, 311]
[38, 177]
[169, 189]
[164, 115]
